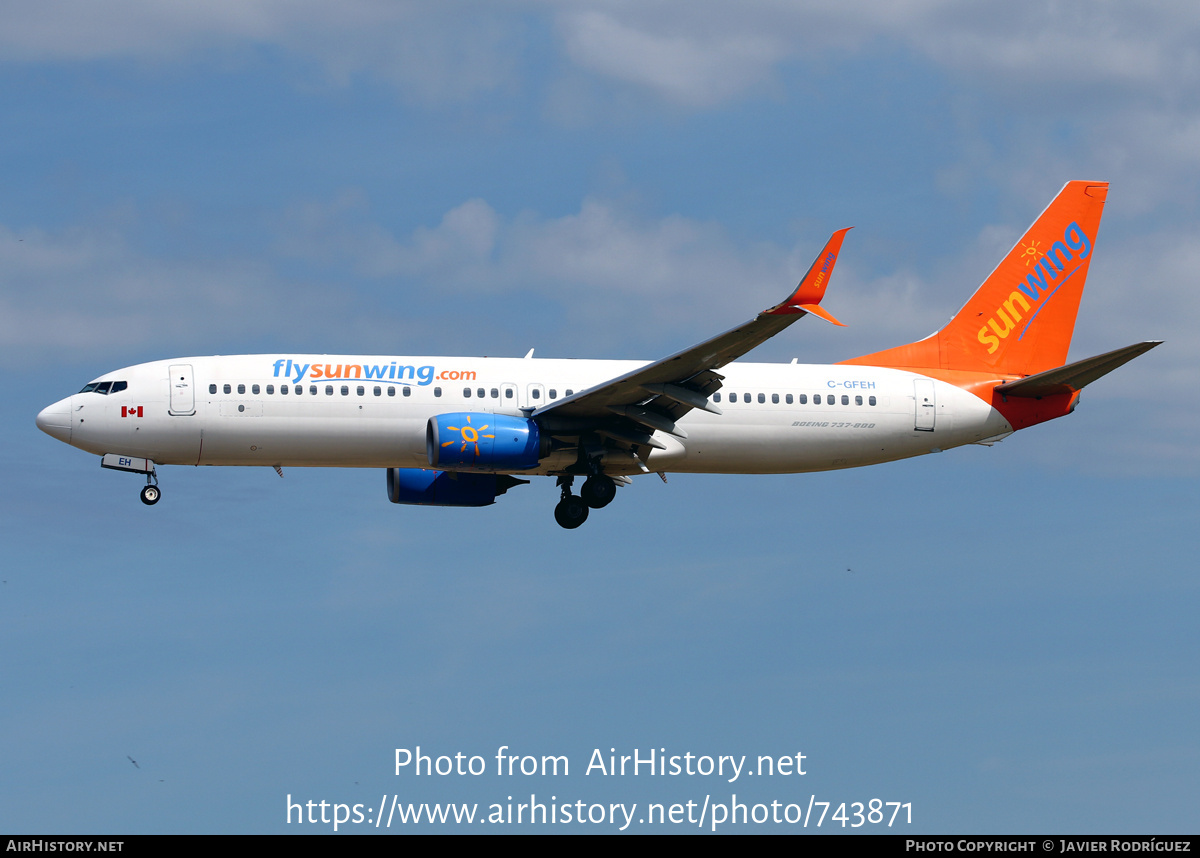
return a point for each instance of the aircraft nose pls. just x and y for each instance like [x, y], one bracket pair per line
[55, 420]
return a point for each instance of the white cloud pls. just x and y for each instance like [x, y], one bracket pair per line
[693, 52]
[85, 292]
[443, 52]
[697, 69]
[607, 269]
[700, 52]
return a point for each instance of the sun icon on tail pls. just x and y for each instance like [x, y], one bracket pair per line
[470, 437]
[1031, 253]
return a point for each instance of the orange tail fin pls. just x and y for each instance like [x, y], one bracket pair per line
[1021, 319]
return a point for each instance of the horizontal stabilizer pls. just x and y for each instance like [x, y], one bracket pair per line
[1074, 376]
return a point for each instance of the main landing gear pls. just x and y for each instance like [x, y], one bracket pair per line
[572, 510]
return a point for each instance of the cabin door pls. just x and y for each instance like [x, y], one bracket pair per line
[183, 392]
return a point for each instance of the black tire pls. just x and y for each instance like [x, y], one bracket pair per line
[571, 512]
[150, 495]
[598, 491]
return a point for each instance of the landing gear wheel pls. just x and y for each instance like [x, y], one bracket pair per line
[150, 495]
[598, 491]
[571, 512]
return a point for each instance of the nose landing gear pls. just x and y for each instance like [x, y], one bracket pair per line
[151, 492]
[134, 465]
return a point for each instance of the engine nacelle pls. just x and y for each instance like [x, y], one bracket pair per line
[478, 441]
[439, 488]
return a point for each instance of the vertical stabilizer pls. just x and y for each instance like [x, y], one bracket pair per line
[1021, 319]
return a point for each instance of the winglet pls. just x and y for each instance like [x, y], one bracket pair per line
[818, 310]
[811, 290]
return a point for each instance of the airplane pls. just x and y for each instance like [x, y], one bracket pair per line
[461, 431]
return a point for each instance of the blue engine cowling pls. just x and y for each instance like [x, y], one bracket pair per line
[478, 441]
[439, 488]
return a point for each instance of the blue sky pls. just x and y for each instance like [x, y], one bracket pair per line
[1015, 648]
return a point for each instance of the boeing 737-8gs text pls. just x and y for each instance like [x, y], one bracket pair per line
[462, 431]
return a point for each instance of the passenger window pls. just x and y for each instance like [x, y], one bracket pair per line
[408, 391]
[816, 399]
[569, 391]
[312, 389]
[845, 399]
[300, 390]
[467, 392]
[212, 388]
[391, 391]
[227, 389]
[479, 393]
[254, 389]
[345, 390]
[553, 393]
[804, 399]
[495, 393]
[858, 400]
[241, 388]
[283, 390]
[360, 390]
[775, 398]
[508, 393]
[716, 397]
[437, 391]
[746, 397]
[871, 400]
[270, 389]
[762, 398]
[378, 390]
[537, 394]
[789, 399]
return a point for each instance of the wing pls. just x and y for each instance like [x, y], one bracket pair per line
[625, 411]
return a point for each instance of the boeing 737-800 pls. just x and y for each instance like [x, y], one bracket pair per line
[462, 431]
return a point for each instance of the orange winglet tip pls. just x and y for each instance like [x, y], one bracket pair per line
[822, 312]
[812, 287]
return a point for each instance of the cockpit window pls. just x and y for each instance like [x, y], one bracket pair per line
[105, 387]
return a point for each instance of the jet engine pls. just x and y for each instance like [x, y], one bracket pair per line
[442, 488]
[477, 441]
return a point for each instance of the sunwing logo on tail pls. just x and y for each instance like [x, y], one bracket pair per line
[1048, 274]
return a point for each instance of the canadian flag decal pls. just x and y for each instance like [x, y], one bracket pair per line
[127, 411]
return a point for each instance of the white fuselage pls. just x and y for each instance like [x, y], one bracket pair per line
[356, 411]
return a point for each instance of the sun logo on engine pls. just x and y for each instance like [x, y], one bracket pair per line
[470, 437]
[1031, 252]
